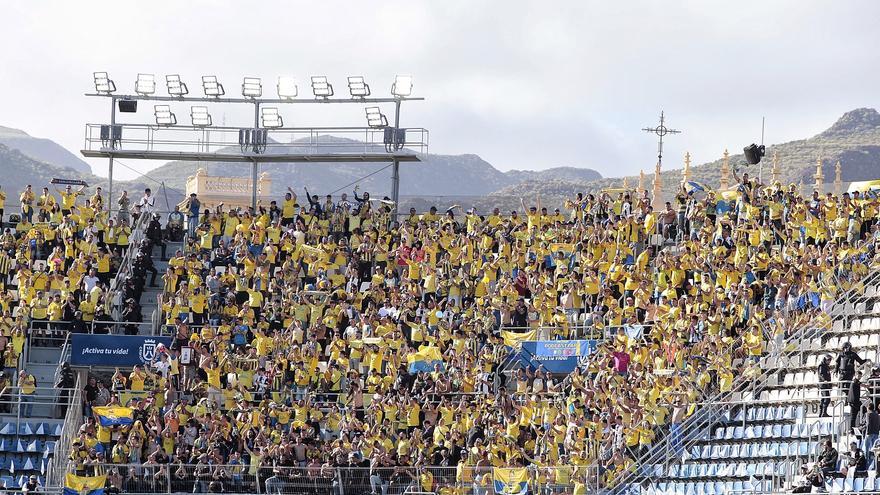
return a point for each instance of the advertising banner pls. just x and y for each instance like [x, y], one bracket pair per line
[114, 350]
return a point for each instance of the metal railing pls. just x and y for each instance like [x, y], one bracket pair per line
[288, 140]
[72, 419]
[244, 478]
[699, 425]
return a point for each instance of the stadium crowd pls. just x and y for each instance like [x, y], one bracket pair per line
[323, 334]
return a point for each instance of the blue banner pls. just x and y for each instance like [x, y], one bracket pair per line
[114, 350]
[557, 356]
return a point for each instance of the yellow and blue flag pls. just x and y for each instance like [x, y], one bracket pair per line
[114, 415]
[84, 485]
[424, 359]
[693, 186]
[511, 481]
[513, 339]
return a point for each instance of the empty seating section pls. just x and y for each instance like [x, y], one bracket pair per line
[25, 450]
[761, 445]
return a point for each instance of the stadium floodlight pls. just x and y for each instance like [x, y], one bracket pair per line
[358, 87]
[103, 84]
[200, 116]
[402, 86]
[252, 87]
[321, 87]
[375, 118]
[270, 118]
[287, 89]
[176, 87]
[164, 116]
[145, 84]
[212, 86]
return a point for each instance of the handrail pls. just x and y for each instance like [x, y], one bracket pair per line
[72, 419]
[692, 428]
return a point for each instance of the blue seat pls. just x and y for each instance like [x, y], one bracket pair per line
[8, 482]
[777, 431]
[7, 429]
[858, 484]
[761, 414]
[29, 464]
[20, 446]
[750, 432]
[25, 429]
[57, 430]
[738, 486]
[738, 432]
[786, 431]
[705, 452]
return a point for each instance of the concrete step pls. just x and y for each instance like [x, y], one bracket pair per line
[44, 355]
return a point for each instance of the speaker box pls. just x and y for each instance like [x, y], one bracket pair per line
[128, 106]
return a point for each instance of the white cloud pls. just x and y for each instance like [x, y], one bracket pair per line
[524, 84]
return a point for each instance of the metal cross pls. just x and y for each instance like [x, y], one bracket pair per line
[661, 130]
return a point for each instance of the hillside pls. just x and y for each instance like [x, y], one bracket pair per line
[438, 175]
[854, 140]
[42, 150]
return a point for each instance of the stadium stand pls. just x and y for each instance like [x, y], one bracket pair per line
[324, 346]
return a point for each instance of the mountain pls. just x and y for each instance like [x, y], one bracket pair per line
[18, 170]
[853, 140]
[435, 176]
[40, 149]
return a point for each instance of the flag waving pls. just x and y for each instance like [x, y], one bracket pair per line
[424, 359]
[84, 485]
[511, 481]
[114, 415]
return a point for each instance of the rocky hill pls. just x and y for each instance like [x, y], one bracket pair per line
[854, 140]
[42, 150]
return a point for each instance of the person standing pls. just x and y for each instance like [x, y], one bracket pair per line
[27, 387]
[824, 373]
[148, 202]
[846, 366]
[854, 399]
[871, 431]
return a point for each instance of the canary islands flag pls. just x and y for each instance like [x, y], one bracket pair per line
[114, 415]
[84, 485]
[693, 186]
[424, 359]
[511, 481]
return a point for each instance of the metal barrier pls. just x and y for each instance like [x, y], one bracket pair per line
[152, 478]
[72, 419]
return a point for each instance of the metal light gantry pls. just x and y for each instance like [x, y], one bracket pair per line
[109, 141]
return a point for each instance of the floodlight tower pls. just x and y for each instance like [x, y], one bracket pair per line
[300, 144]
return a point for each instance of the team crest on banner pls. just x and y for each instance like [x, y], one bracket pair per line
[148, 350]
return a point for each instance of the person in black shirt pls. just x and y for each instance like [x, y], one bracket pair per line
[828, 458]
[870, 430]
[90, 393]
[66, 381]
[854, 399]
[824, 385]
[846, 365]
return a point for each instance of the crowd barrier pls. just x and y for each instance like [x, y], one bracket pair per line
[151, 478]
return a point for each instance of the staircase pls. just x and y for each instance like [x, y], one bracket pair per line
[756, 438]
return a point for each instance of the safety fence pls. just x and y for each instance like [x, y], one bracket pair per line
[352, 479]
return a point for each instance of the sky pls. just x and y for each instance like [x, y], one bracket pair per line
[525, 85]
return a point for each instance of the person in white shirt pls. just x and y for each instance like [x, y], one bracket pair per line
[148, 202]
[90, 280]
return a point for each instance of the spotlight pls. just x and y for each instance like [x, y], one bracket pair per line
[287, 89]
[252, 87]
[270, 118]
[103, 84]
[321, 88]
[402, 86]
[375, 118]
[754, 153]
[176, 87]
[358, 87]
[212, 86]
[200, 116]
[145, 84]
[163, 114]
